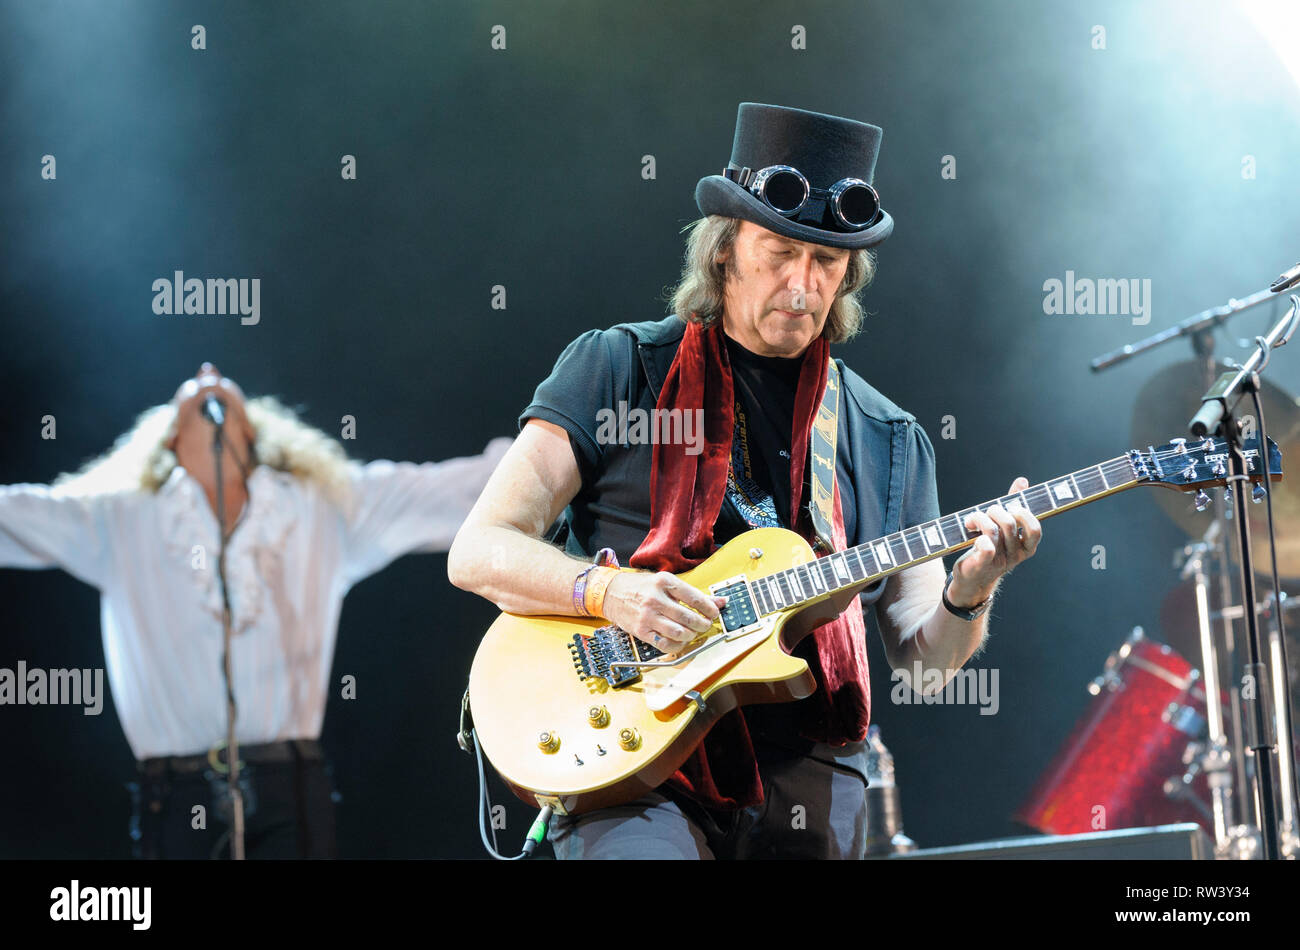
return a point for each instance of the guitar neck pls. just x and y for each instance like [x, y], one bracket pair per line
[862, 565]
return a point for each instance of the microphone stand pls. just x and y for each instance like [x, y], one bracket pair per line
[1217, 415]
[1231, 838]
[1198, 324]
[232, 744]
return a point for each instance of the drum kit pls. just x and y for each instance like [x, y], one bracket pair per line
[1168, 734]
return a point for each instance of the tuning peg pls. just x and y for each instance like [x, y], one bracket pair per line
[1202, 500]
[1257, 495]
[1227, 494]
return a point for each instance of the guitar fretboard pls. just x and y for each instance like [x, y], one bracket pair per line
[923, 542]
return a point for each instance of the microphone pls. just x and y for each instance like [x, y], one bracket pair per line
[214, 410]
[1207, 420]
[1287, 280]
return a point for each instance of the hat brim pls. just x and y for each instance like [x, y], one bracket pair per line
[718, 195]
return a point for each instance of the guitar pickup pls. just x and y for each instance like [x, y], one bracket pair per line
[740, 611]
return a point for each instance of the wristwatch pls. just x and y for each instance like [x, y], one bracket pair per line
[965, 613]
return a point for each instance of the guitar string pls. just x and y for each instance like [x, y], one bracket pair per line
[1122, 463]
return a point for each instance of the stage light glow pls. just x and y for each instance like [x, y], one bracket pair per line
[1278, 21]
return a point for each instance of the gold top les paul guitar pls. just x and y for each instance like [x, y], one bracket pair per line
[577, 714]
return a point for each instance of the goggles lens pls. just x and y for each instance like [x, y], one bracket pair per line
[785, 192]
[859, 205]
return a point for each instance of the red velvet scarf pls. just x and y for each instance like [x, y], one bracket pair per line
[686, 494]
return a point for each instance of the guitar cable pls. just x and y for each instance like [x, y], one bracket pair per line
[467, 739]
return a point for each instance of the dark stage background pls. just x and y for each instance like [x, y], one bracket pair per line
[523, 168]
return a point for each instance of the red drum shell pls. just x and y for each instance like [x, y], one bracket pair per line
[1110, 772]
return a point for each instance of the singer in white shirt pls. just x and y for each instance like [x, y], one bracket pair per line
[304, 524]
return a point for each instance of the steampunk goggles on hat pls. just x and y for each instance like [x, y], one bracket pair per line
[853, 204]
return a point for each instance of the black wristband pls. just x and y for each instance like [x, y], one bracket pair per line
[965, 613]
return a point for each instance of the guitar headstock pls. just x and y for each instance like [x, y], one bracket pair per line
[1193, 464]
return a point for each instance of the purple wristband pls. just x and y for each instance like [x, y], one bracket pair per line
[605, 557]
[580, 592]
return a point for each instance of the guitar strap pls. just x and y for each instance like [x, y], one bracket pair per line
[822, 441]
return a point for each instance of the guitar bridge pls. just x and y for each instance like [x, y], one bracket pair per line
[603, 652]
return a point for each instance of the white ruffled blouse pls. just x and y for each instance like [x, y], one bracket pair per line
[292, 557]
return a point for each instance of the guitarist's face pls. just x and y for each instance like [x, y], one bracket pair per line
[779, 290]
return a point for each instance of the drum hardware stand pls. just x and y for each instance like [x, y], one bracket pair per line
[1216, 755]
[1179, 787]
[1290, 831]
[1289, 803]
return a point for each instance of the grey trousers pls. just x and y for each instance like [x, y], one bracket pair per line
[814, 807]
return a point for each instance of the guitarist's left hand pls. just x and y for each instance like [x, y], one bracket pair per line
[1007, 537]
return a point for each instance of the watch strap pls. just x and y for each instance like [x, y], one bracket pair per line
[965, 613]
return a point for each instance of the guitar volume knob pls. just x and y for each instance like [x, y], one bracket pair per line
[548, 742]
[598, 716]
[629, 739]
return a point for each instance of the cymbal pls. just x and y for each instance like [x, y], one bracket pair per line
[1163, 408]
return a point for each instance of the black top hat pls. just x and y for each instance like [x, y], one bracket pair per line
[826, 150]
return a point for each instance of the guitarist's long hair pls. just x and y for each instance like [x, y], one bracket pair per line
[701, 290]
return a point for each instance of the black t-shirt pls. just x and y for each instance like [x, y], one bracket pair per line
[884, 466]
[758, 483]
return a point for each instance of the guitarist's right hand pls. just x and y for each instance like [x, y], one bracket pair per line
[660, 608]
